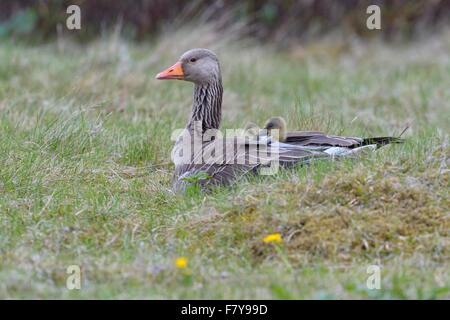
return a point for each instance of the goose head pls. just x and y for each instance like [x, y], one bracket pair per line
[276, 123]
[199, 66]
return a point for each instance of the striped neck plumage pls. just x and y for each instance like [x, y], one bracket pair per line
[207, 106]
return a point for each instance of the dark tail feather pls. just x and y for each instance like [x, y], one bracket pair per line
[381, 141]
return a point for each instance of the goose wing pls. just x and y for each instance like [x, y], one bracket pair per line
[316, 138]
[319, 140]
[225, 161]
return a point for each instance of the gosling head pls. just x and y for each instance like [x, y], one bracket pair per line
[276, 123]
[199, 66]
[251, 129]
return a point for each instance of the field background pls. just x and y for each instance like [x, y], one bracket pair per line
[85, 169]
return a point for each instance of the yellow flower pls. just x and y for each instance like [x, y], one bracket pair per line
[181, 262]
[274, 237]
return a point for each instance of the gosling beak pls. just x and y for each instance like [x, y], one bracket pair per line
[174, 72]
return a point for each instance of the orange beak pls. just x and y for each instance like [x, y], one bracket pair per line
[174, 72]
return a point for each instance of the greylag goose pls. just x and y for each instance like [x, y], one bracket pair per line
[321, 140]
[201, 155]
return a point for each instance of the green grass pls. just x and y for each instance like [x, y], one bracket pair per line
[85, 173]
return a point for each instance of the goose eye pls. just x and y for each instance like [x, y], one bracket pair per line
[193, 60]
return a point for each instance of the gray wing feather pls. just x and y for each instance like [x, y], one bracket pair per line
[246, 156]
[315, 138]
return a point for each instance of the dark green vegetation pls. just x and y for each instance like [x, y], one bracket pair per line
[275, 21]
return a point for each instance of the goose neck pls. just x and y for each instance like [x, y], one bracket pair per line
[207, 105]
